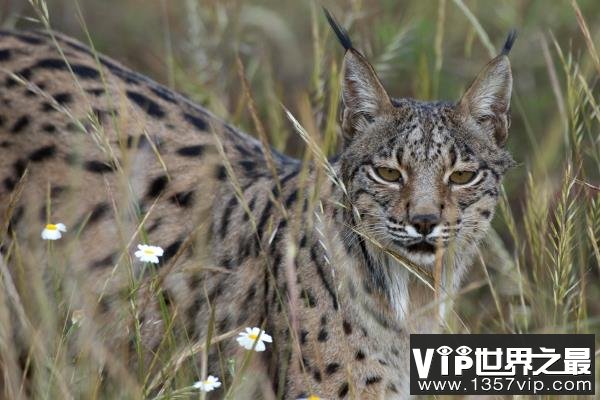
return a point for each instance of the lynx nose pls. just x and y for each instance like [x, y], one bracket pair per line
[424, 223]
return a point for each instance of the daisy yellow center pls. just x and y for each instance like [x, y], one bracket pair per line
[52, 227]
[253, 336]
[149, 251]
[313, 397]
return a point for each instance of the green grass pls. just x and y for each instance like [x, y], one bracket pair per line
[539, 271]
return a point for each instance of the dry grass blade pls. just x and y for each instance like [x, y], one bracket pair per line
[437, 47]
[316, 151]
[174, 364]
[483, 36]
[424, 276]
[587, 185]
[262, 134]
[556, 89]
[586, 35]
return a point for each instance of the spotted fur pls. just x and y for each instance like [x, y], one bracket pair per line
[312, 263]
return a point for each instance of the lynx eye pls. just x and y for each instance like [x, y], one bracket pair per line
[462, 177]
[388, 174]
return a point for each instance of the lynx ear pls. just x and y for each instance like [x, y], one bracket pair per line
[487, 101]
[362, 92]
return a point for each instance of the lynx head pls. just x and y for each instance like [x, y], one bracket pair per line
[424, 175]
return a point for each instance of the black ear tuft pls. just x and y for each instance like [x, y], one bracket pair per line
[510, 40]
[340, 32]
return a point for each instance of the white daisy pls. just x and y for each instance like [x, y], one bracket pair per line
[246, 339]
[208, 385]
[53, 231]
[148, 253]
[311, 397]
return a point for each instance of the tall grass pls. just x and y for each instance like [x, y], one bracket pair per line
[273, 68]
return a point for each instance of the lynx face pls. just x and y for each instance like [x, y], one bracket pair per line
[424, 175]
[425, 180]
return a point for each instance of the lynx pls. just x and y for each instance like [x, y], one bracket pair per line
[338, 260]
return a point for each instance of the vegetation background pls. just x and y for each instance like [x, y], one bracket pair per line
[541, 271]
